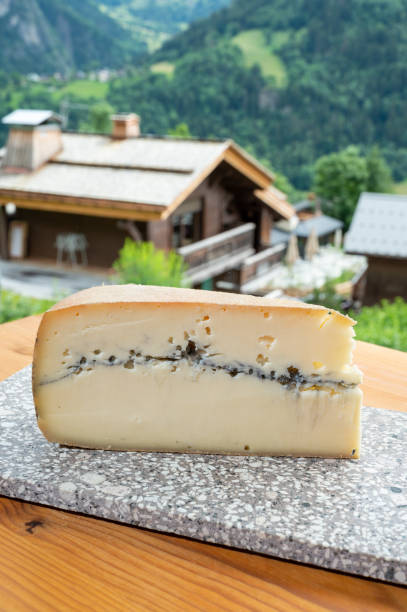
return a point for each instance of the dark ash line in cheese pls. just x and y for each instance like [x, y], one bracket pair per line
[199, 357]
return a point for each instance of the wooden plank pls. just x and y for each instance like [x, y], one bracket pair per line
[59, 561]
[386, 278]
[266, 224]
[160, 233]
[17, 344]
[3, 233]
[211, 215]
[250, 169]
[54, 560]
[97, 209]
[384, 376]
[104, 237]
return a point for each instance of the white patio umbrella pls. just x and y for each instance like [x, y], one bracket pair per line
[292, 250]
[312, 245]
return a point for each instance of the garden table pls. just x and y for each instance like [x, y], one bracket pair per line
[57, 560]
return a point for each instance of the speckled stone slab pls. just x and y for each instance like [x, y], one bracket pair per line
[339, 514]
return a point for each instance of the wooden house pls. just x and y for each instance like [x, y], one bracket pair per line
[379, 231]
[207, 199]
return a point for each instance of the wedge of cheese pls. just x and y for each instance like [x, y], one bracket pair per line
[162, 369]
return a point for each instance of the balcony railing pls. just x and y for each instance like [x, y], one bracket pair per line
[260, 263]
[212, 256]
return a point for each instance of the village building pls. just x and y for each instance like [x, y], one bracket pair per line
[84, 193]
[379, 231]
[308, 219]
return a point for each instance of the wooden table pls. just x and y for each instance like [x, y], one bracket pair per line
[55, 560]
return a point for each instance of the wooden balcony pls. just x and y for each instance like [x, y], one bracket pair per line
[255, 269]
[260, 263]
[215, 255]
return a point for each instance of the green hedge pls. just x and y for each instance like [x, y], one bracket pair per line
[14, 306]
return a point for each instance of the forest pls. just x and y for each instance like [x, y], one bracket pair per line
[290, 82]
[345, 81]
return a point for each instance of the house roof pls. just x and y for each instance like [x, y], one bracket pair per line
[304, 205]
[30, 117]
[97, 182]
[172, 155]
[147, 175]
[271, 197]
[379, 226]
[322, 224]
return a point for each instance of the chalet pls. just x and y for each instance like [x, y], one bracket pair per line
[379, 231]
[207, 199]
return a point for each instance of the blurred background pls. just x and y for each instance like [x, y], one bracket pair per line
[256, 147]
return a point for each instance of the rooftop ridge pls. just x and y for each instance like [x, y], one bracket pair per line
[151, 136]
[376, 194]
[115, 166]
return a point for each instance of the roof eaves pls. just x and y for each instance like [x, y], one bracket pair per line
[282, 207]
[252, 160]
[82, 205]
[30, 117]
[197, 179]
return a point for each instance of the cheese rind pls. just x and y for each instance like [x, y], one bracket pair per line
[120, 368]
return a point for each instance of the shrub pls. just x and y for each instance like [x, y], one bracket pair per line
[142, 263]
[15, 306]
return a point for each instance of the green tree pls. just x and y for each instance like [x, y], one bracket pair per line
[379, 175]
[339, 180]
[142, 263]
[99, 119]
[281, 181]
[181, 130]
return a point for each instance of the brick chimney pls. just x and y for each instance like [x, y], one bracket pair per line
[34, 138]
[125, 125]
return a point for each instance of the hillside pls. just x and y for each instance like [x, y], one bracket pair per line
[47, 36]
[154, 21]
[290, 80]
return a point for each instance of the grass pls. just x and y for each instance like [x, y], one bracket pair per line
[384, 324]
[255, 50]
[15, 306]
[400, 188]
[83, 88]
[15, 98]
[163, 68]
[280, 38]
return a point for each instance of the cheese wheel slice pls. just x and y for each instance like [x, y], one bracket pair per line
[134, 367]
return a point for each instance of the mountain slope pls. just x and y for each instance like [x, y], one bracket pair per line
[45, 36]
[339, 77]
[154, 21]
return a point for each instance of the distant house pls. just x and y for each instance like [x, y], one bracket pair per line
[379, 231]
[207, 199]
[307, 220]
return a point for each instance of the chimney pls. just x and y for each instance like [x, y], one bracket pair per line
[125, 125]
[34, 138]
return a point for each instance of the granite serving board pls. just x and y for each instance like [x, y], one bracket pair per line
[339, 514]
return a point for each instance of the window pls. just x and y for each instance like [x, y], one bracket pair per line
[187, 223]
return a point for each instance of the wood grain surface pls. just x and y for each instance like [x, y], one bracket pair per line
[55, 560]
